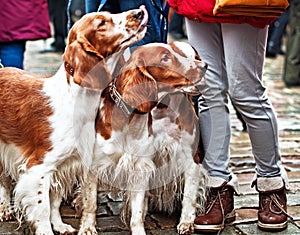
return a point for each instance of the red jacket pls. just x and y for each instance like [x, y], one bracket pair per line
[24, 20]
[202, 10]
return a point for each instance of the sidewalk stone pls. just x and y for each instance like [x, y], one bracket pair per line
[102, 211]
[165, 221]
[12, 228]
[110, 224]
[115, 207]
[245, 216]
[294, 211]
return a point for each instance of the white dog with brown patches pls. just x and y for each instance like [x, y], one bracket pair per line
[147, 137]
[47, 125]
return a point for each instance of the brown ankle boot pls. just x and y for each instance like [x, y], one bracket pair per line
[272, 212]
[219, 210]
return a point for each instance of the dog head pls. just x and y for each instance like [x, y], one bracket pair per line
[98, 37]
[156, 69]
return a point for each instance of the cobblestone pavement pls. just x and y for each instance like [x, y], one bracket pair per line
[286, 102]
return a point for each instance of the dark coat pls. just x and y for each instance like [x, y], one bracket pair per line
[24, 20]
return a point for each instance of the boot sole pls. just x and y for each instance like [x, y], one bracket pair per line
[272, 227]
[212, 228]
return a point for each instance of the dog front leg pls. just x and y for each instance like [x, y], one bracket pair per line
[188, 212]
[56, 220]
[89, 204]
[139, 207]
[32, 198]
[6, 211]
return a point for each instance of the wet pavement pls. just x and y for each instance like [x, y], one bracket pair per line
[286, 102]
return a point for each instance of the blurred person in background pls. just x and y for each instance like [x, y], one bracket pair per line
[58, 16]
[21, 21]
[276, 32]
[76, 10]
[291, 75]
[176, 26]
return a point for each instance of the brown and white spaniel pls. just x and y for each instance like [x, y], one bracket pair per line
[147, 136]
[47, 125]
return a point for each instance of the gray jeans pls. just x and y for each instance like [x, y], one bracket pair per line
[235, 57]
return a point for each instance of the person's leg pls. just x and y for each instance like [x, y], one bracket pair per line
[176, 26]
[276, 34]
[244, 56]
[59, 21]
[206, 38]
[12, 54]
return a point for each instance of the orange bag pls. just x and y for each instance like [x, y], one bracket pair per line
[259, 8]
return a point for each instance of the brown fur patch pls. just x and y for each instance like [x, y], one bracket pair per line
[21, 124]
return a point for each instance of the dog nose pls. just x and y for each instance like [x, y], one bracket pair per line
[203, 67]
[138, 14]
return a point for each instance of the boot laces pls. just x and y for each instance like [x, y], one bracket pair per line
[223, 214]
[217, 199]
[274, 199]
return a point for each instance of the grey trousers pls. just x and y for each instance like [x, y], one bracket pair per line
[235, 57]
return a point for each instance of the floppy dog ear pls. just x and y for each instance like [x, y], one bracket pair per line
[139, 87]
[88, 66]
[88, 47]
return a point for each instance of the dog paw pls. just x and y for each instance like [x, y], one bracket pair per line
[6, 213]
[88, 231]
[185, 227]
[41, 230]
[64, 229]
[137, 230]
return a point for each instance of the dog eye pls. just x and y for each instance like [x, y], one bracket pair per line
[197, 57]
[165, 58]
[101, 24]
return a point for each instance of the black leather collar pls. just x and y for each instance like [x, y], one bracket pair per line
[117, 98]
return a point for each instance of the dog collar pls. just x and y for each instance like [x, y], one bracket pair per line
[117, 98]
